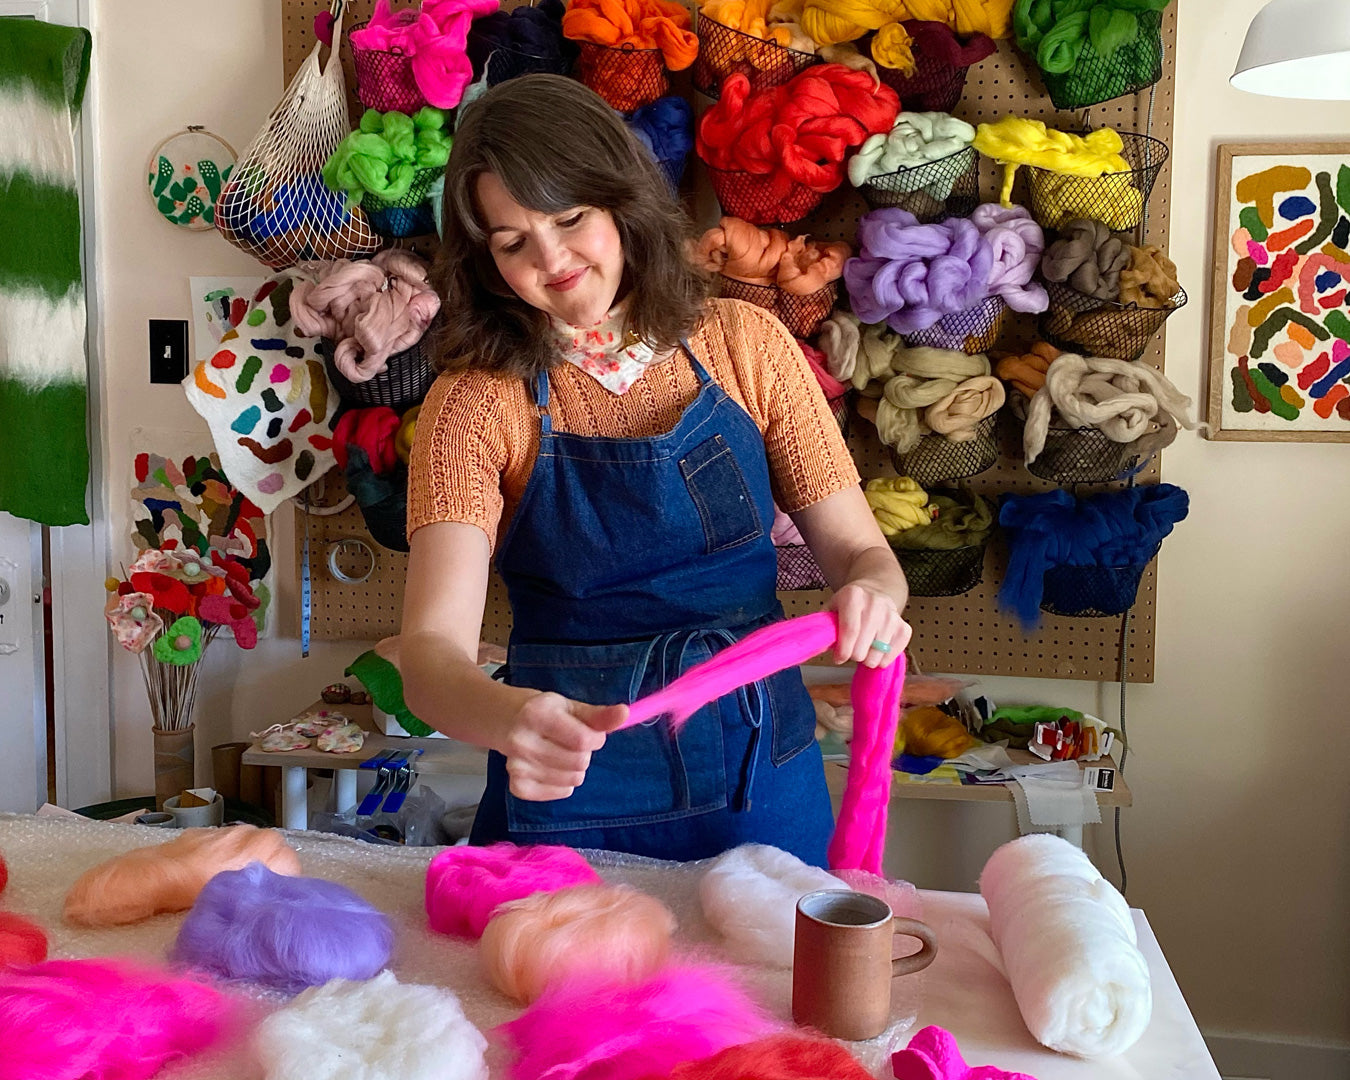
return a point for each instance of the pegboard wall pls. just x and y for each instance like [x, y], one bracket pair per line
[964, 633]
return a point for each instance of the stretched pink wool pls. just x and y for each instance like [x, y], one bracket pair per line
[465, 885]
[860, 834]
[581, 1029]
[102, 1020]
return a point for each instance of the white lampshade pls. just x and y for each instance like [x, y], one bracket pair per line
[1298, 49]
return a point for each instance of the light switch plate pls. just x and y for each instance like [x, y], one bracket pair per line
[168, 350]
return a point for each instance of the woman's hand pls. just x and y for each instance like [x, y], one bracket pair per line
[549, 744]
[868, 614]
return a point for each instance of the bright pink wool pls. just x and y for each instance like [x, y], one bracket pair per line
[584, 1030]
[465, 885]
[102, 1020]
[860, 834]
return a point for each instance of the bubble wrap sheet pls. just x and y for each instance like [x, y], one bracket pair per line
[964, 991]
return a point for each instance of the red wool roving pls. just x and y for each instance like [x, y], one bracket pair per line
[779, 1057]
[21, 942]
[4, 874]
[102, 1020]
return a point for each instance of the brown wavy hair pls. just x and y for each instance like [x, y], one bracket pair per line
[555, 144]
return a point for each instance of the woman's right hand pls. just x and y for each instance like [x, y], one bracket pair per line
[549, 743]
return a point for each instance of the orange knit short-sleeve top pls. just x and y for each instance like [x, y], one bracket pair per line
[478, 433]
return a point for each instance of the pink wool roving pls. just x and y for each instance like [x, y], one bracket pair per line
[584, 1030]
[610, 932]
[860, 833]
[465, 885]
[102, 1020]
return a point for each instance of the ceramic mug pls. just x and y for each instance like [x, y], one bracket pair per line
[841, 962]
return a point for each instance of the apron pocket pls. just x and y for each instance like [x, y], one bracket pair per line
[715, 483]
[642, 774]
[794, 717]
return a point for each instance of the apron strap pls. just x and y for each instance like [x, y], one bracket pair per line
[703, 377]
[539, 392]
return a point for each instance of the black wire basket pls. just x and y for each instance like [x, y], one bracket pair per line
[972, 331]
[797, 569]
[1095, 78]
[949, 572]
[384, 80]
[1076, 322]
[625, 77]
[1082, 456]
[752, 197]
[409, 215]
[500, 62]
[934, 191]
[403, 383]
[1115, 199]
[842, 413]
[935, 85]
[937, 458]
[724, 51]
[1092, 591]
[801, 313]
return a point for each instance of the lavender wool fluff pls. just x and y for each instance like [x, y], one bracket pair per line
[283, 932]
[910, 275]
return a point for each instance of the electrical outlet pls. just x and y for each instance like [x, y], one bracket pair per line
[168, 350]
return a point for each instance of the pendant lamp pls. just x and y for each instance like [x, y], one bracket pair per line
[1297, 49]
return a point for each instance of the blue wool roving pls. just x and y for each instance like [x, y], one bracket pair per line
[665, 128]
[1114, 528]
[283, 932]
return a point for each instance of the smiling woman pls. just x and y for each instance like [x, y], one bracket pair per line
[620, 441]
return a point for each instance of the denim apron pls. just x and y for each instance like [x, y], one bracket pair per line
[629, 561]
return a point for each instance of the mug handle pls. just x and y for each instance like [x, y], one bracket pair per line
[907, 965]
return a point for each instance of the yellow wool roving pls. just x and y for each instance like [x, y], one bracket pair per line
[832, 21]
[1016, 140]
[898, 503]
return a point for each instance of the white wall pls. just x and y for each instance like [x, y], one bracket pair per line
[1239, 841]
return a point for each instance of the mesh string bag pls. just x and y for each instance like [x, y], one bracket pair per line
[724, 51]
[275, 206]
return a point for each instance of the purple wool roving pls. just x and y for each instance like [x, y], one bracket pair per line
[283, 932]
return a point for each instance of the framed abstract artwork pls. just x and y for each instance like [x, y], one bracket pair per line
[1279, 345]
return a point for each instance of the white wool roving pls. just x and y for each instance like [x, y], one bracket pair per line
[1068, 946]
[379, 1029]
[750, 896]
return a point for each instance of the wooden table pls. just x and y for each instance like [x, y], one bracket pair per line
[442, 757]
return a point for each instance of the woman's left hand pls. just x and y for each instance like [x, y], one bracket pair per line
[868, 618]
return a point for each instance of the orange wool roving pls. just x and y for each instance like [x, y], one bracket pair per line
[607, 931]
[167, 877]
[778, 1057]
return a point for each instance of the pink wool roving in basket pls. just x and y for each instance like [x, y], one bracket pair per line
[582, 1029]
[465, 885]
[103, 1020]
[860, 834]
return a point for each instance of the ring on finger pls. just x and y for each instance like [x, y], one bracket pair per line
[880, 646]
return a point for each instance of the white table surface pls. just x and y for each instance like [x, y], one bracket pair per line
[964, 990]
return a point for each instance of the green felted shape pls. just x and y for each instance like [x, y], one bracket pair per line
[166, 650]
[384, 683]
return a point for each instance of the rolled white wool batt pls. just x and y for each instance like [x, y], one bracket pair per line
[750, 895]
[379, 1029]
[1068, 946]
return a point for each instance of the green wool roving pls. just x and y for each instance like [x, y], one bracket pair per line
[386, 152]
[1055, 32]
[384, 683]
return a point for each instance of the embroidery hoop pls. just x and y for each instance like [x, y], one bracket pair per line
[192, 131]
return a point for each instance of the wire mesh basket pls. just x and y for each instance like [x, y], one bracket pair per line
[802, 314]
[1095, 78]
[1115, 199]
[626, 77]
[937, 458]
[947, 572]
[752, 197]
[971, 331]
[1092, 591]
[384, 80]
[933, 191]
[935, 85]
[797, 569]
[408, 215]
[1081, 456]
[403, 383]
[1083, 324]
[499, 61]
[842, 414]
[724, 51]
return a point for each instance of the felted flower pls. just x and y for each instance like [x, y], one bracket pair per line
[133, 620]
[169, 593]
[181, 644]
[193, 568]
[237, 580]
[224, 611]
[154, 561]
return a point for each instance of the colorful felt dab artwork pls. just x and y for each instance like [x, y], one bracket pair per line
[186, 175]
[1286, 315]
[267, 399]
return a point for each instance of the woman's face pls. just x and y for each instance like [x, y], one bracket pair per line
[566, 264]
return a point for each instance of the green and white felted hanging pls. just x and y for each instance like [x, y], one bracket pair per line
[44, 451]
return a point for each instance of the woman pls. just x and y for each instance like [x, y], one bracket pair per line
[619, 441]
